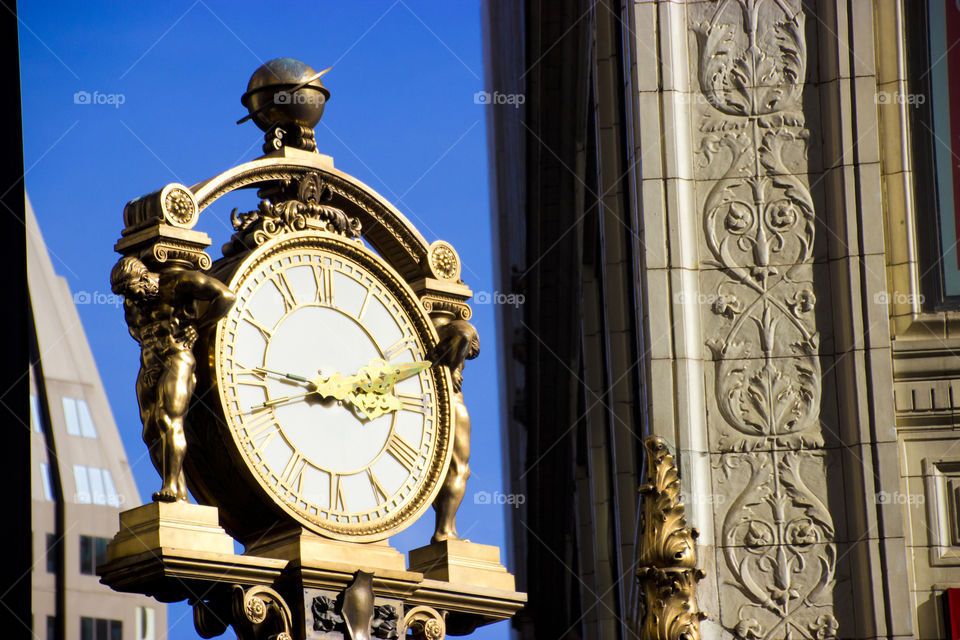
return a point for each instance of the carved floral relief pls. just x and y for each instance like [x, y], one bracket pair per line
[776, 537]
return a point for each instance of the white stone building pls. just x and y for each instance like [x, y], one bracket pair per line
[734, 223]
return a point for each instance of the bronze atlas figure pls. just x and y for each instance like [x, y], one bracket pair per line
[161, 314]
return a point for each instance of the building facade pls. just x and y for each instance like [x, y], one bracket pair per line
[734, 225]
[80, 475]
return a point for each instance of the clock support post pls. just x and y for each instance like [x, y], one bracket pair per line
[290, 582]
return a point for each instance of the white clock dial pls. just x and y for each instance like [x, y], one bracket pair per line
[307, 315]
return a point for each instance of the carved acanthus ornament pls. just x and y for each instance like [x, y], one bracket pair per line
[301, 205]
[758, 221]
[667, 572]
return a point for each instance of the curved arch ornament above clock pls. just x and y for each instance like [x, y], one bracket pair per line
[387, 230]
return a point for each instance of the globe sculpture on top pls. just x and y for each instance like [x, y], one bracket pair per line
[286, 98]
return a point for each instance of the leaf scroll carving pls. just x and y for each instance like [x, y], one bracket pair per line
[776, 537]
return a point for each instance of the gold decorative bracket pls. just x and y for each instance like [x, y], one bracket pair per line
[256, 613]
[425, 623]
[667, 575]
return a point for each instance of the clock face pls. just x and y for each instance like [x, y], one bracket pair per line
[322, 372]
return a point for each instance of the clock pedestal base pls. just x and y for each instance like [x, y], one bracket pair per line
[263, 597]
[462, 562]
[170, 525]
[310, 550]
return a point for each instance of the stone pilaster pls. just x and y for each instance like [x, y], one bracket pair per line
[729, 245]
[774, 534]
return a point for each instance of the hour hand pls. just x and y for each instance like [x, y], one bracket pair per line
[334, 386]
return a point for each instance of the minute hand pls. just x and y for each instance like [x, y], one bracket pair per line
[380, 377]
[279, 374]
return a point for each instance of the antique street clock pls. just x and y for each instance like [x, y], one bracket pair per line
[321, 374]
[306, 388]
[318, 384]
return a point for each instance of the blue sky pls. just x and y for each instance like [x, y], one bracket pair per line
[402, 118]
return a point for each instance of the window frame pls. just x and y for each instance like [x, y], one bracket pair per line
[923, 161]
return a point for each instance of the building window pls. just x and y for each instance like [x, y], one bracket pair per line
[93, 551]
[45, 482]
[52, 553]
[97, 491]
[51, 628]
[35, 414]
[145, 624]
[100, 629]
[113, 499]
[933, 103]
[95, 485]
[78, 418]
[82, 481]
[70, 413]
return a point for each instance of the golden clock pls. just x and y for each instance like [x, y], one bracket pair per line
[324, 386]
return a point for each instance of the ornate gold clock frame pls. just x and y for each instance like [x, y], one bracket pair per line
[307, 571]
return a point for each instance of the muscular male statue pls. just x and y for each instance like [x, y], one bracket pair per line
[162, 316]
[458, 343]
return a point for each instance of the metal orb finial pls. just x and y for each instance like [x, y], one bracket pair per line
[286, 98]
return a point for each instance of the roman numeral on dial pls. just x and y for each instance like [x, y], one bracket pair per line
[414, 402]
[256, 379]
[363, 307]
[324, 277]
[378, 491]
[337, 502]
[293, 472]
[405, 453]
[244, 371]
[248, 317]
[283, 287]
[261, 426]
[408, 342]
